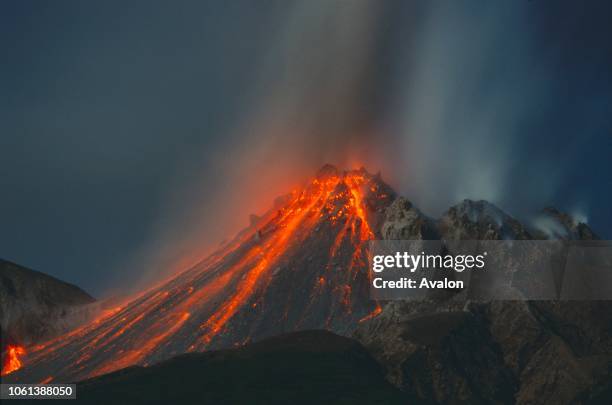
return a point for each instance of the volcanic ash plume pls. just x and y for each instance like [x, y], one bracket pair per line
[302, 265]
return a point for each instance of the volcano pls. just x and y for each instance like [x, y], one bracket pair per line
[302, 265]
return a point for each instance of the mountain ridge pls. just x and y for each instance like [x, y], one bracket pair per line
[247, 293]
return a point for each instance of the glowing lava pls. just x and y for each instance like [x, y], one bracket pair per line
[302, 265]
[12, 362]
[292, 218]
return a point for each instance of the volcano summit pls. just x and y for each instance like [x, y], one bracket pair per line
[302, 265]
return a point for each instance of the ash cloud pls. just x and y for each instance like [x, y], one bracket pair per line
[473, 86]
[314, 102]
[446, 99]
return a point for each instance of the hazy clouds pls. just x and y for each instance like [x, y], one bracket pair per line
[139, 136]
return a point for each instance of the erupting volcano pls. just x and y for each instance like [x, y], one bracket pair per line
[302, 265]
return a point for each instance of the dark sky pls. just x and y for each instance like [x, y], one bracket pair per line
[109, 110]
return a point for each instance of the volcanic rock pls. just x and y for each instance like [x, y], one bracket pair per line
[479, 220]
[447, 351]
[35, 306]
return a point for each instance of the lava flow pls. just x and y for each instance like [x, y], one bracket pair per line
[302, 265]
[11, 362]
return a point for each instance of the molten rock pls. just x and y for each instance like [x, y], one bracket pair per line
[302, 265]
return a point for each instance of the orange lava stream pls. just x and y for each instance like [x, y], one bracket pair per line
[357, 202]
[12, 362]
[372, 314]
[46, 380]
[294, 217]
[133, 356]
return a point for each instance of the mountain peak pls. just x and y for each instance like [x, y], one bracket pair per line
[327, 170]
[480, 211]
[301, 265]
[480, 220]
[556, 224]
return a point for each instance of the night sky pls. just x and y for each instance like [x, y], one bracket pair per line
[120, 121]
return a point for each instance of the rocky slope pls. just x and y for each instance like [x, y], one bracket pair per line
[452, 352]
[35, 306]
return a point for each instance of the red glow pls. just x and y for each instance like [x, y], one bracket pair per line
[212, 304]
[12, 362]
[372, 314]
[294, 215]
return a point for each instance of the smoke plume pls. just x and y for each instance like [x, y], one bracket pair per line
[440, 97]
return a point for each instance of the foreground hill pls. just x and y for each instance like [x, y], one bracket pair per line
[310, 367]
